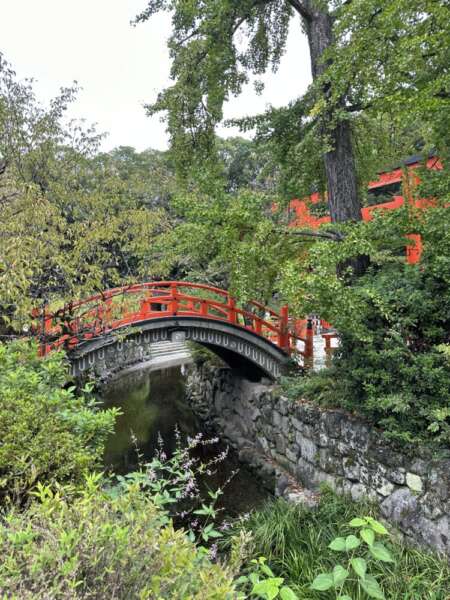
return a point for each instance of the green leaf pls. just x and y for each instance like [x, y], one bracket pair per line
[380, 552]
[254, 578]
[368, 536]
[344, 597]
[339, 575]
[287, 594]
[266, 570]
[359, 566]
[351, 542]
[338, 544]
[372, 588]
[358, 522]
[323, 582]
[377, 526]
[268, 588]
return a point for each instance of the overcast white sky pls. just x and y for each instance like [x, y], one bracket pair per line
[119, 67]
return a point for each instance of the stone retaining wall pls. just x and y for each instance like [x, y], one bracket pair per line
[292, 443]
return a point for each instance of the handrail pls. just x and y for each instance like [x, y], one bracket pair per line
[102, 313]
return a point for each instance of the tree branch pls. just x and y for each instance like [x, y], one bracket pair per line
[334, 236]
[301, 9]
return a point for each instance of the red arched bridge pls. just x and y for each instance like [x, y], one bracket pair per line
[116, 328]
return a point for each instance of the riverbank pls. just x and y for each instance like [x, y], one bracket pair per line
[293, 444]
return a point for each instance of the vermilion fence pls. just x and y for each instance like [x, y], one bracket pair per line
[117, 308]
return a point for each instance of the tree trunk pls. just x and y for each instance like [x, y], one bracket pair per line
[340, 168]
[339, 161]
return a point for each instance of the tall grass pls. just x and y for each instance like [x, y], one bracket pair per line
[295, 542]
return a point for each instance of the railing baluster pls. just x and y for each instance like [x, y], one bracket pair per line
[232, 310]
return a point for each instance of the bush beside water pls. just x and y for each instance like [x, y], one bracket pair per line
[47, 432]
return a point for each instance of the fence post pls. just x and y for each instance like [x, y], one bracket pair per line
[309, 344]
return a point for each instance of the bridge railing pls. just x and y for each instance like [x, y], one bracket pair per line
[121, 307]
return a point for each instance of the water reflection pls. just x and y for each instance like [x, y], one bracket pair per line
[153, 405]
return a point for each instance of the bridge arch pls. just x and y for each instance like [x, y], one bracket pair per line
[252, 355]
[117, 328]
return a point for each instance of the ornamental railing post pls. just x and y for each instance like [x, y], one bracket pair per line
[232, 310]
[174, 294]
[204, 308]
[283, 338]
[309, 345]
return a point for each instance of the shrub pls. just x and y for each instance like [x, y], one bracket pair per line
[47, 432]
[89, 544]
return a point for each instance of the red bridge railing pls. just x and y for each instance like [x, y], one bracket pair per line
[120, 307]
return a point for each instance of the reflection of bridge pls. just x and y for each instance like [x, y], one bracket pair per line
[117, 328]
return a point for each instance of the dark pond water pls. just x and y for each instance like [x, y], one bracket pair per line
[153, 405]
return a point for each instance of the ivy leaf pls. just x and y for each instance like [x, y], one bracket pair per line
[358, 522]
[339, 575]
[368, 536]
[380, 552]
[323, 582]
[359, 566]
[338, 544]
[372, 588]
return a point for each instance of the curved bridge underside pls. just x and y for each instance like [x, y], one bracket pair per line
[253, 355]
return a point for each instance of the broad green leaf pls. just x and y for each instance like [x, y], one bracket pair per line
[338, 544]
[358, 522]
[254, 578]
[351, 542]
[266, 570]
[377, 526]
[344, 597]
[368, 536]
[359, 566]
[323, 582]
[372, 588]
[287, 594]
[268, 588]
[380, 552]
[339, 575]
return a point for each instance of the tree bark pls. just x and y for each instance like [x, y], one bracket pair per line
[339, 161]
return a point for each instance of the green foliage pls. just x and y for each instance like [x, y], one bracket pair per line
[340, 579]
[48, 432]
[393, 323]
[218, 240]
[296, 543]
[262, 583]
[70, 224]
[79, 544]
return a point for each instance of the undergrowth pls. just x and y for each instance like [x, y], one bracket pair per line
[295, 541]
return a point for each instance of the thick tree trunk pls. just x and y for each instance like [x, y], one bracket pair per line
[340, 168]
[339, 162]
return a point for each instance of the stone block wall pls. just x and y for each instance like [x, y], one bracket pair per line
[299, 443]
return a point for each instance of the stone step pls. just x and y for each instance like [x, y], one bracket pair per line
[168, 349]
